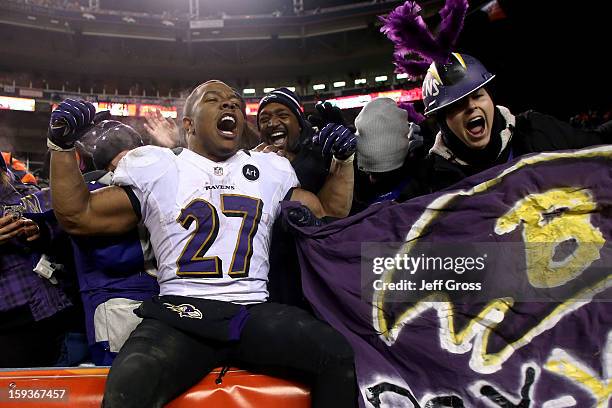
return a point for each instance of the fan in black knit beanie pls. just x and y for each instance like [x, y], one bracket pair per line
[281, 121]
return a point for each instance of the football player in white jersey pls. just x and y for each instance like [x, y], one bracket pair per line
[209, 210]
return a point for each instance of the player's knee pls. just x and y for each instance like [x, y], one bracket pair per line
[127, 387]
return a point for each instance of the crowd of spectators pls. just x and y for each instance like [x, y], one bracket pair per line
[73, 5]
[590, 119]
[395, 159]
[207, 10]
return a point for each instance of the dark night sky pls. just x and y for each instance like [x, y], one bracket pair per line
[549, 56]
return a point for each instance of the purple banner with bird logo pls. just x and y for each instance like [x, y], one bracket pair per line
[423, 337]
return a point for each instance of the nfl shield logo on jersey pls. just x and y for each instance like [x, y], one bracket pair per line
[218, 171]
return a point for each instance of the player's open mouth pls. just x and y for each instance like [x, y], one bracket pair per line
[476, 126]
[227, 124]
[278, 137]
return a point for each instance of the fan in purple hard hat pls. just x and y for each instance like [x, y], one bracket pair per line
[474, 133]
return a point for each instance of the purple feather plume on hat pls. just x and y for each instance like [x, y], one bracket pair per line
[453, 15]
[405, 27]
[412, 67]
[413, 115]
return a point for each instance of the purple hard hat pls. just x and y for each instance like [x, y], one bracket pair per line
[447, 83]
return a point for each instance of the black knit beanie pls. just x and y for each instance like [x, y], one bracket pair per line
[285, 97]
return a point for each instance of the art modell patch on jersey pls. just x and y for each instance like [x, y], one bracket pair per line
[185, 310]
[250, 172]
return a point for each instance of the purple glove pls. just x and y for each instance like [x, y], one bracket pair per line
[337, 139]
[69, 122]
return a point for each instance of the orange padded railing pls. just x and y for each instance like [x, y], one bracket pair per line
[84, 387]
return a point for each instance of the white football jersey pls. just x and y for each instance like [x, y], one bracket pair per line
[210, 222]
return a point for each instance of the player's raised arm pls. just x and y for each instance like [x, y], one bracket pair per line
[335, 197]
[106, 211]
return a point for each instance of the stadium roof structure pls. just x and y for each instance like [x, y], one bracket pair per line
[339, 40]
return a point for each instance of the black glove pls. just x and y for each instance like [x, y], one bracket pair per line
[415, 138]
[69, 122]
[303, 217]
[337, 139]
[326, 114]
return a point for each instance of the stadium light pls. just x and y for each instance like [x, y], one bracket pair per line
[248, 91]
[401, 76]
[318, 87]
[268, 90]
[360, 81]
[381, 78]
[339, 84]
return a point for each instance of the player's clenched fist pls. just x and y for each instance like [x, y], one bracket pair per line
[68, 123]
